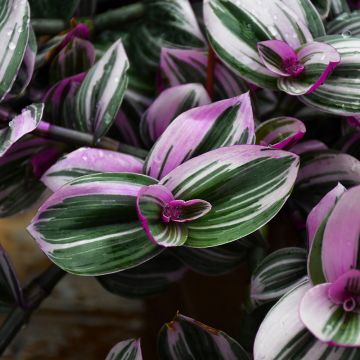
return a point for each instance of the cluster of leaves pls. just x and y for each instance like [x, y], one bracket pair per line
[221, 113]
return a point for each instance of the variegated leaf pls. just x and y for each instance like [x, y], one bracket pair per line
[76, 57]
[10, 289]
[126, 350]
[186, 338]
[347, 24]
[246, 186]
[85, 161]
[14, 30]
[322, 6]
[339, 94]
[27, 67]
[90, 226]
[320, 171]
[167, 106]
[181, 66]
[20, 188]
[100, 94]
[199, 130]
[150, 278]
[235, 28]
[19, 126]
[338, 7]
[217, 260]
[283, 336]
[280, 133]
[278, 273]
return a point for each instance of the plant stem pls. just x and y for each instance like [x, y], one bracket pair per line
[100, 22]
[79, 138]
[113, 18]
[34, 293]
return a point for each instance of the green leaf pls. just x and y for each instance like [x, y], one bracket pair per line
[346, 24]
[126, 350]
[246, 186]
[100, 94]
[186, 338]
[53, 8]
[322, 6]
[14, 31]
[150, 278]
[91, 227]
[278, 273]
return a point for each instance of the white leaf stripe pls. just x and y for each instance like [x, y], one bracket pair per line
[277, 274]
[100, 94]
[126, 350]
[14, 30]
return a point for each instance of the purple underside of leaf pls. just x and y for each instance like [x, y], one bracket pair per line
[309, 145]
[341, 236]
[42, 160]
[88, 160]
[321, 211]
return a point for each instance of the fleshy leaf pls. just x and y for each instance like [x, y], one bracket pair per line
[181, 66]
[19, 126]
[319, 60]
[199, 130]
[328, 321]
[278, 273]
[246, 186]
[14, 30]
[90, 226]
[147, 279]
[167, 106]
[307, 146]
[126, 350]
[283, 336]
[320, 172]
[100, 94]
[76, 57]
[236, 27]
[186, 338]
[11, 293]
[20, 188]
[346, 24]
[280, 133]
[339, 94]
[85, 161]
[151, 204]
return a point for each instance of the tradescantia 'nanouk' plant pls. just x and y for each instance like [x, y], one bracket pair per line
[158, 138]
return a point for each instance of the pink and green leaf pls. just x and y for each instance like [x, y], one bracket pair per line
[126, 350]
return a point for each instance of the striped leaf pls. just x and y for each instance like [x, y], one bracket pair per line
[322, 6]
[126, 350]
[11, 293]
[27, 67]
[14, 30]
[278, 273]
[100, 94]
[150, 278]
[315, 226]
[217, 260]
[235, 27]
[167, 106]
[283, 336]
[186, 338]
[199, 130]
[246, 186]
[182, 66]
[19, 187]
[90, 226]
[280, 133]
[85, 161]
[328, 321]
[76, 57]
[59, 102]
[347, 24]
[19, 126]
[53, 8]
[319, 172]
[338, 7]
[339, 94]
